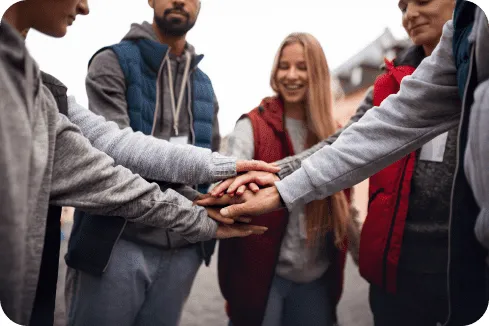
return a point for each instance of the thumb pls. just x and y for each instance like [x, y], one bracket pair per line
[233, 210]
[265, 180]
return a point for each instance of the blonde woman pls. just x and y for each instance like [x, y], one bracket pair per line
[293, 274]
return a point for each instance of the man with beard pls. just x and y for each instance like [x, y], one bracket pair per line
[126, 273]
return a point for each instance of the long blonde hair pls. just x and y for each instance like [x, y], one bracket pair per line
[330, 214]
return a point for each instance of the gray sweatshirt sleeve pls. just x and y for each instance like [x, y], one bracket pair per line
[150, 157]
[476, 157]
[86, 179]
[427, 105]
[293, 163]
[106, 88]
[241, 142]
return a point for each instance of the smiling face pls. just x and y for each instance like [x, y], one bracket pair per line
[423, 20]
[52, 17]
[291, 77]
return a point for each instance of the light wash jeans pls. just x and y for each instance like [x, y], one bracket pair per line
[298, 304]
[142, 286]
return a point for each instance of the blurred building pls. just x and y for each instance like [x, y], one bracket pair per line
[359, 72]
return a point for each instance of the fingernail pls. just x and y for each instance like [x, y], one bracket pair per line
[224, 212]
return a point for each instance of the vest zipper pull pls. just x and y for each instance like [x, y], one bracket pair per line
[175, 127]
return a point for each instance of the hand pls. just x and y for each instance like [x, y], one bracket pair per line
[213, 212]
[236, 184]
[250, 203]
[225, 231]
[254, 165]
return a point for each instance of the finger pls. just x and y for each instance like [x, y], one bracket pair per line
[260, 166]
[213, 201]
[243, 219]
[225, 232]
[214, 214]
[222, 187]
[240, 181]
[240, 190]
[255, 229]
[246, 230]
[234, 211]
[254, 187]
[267, 179]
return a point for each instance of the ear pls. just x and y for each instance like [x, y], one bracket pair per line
[151, 3]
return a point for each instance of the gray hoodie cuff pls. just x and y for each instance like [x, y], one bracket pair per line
[206, 230]
[285, 169]
[295, 188]
[222, 167]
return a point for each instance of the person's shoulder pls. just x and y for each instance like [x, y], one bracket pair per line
[104, 56]
[50, 80]
[104, 62]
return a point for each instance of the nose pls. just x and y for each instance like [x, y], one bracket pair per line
[179, 3]
[292, 73]
[412, 11]
[82, 8]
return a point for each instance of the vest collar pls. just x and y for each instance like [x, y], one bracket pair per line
[272, 111]
[154, 52]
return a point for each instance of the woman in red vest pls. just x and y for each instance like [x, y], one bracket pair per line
[293, 274]
[404, 241]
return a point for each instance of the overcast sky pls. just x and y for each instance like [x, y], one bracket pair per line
[238, 38]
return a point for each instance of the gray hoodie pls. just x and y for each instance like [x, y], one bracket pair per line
[477, 153]
[106, 89]
[44, 157]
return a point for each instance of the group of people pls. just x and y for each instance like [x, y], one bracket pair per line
[282, 212]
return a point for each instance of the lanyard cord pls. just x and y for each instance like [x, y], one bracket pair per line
[177, 107]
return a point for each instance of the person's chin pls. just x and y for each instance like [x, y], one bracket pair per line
[61, 32]
[421, 39]
[293, 99]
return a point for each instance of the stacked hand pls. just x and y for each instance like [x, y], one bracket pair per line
[236, 199]
[231, 204]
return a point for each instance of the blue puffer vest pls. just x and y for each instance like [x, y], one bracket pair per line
[467, 267]
[93, 237]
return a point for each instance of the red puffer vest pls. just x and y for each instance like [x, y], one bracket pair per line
[381, 238]
[246, 266]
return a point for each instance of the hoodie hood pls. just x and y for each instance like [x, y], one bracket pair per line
[146, 31]
[141, 31]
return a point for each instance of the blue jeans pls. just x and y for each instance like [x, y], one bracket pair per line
[298, 304]
[142, 285]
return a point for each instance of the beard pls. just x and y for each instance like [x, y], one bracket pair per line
[174, 26]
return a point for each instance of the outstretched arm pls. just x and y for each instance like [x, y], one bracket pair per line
[154, 158]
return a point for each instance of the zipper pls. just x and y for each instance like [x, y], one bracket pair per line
[189, 104]
[469, 76]
[374, 195]
[158, 92]
[157, 107]
[391, 228]
[112, 250]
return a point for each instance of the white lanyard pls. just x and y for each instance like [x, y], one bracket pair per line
[176, 108]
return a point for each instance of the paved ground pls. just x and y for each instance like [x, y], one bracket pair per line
[205, 306]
